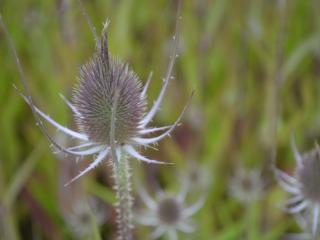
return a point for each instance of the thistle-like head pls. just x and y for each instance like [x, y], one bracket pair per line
[103, 83]
[308, 174]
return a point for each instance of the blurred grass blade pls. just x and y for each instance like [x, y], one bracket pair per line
[101, 191]
[95, 226]
[233, 232]
[309, 45]
[23, 174]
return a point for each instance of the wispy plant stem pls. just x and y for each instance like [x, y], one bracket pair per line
[274, 86]
[121, 174]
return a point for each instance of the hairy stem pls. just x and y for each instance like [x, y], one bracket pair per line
[121, 174]
[122, 184]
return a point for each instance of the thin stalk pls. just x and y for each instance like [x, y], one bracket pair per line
[253, 220]
[274, 87]
[8, 228]
[122, 175]
[122, 182]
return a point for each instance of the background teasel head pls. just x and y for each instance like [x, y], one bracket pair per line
[196, 177]
[308, 174]
[247, 185]
[304, 187]
[84, 216]
[169, 213]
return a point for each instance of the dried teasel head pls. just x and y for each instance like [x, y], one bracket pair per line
[100, 79]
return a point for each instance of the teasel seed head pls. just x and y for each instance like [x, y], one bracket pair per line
[100, 78]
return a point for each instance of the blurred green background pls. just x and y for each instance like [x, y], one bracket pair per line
[254, 66]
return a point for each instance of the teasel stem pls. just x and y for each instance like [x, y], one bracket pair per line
[122, 181]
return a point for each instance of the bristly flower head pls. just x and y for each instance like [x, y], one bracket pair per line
[304, 186]
[109, 107]
[247, 185]
[168, 213]
[95, 95]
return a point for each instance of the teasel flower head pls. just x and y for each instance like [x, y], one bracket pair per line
[101, 79]
[304, 186]
[168, 213]
[109, 106]
[247, 185]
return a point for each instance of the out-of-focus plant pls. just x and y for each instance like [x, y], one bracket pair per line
[169, 213]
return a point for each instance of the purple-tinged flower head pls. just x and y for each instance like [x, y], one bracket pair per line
[100, 78]
[304, 187]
